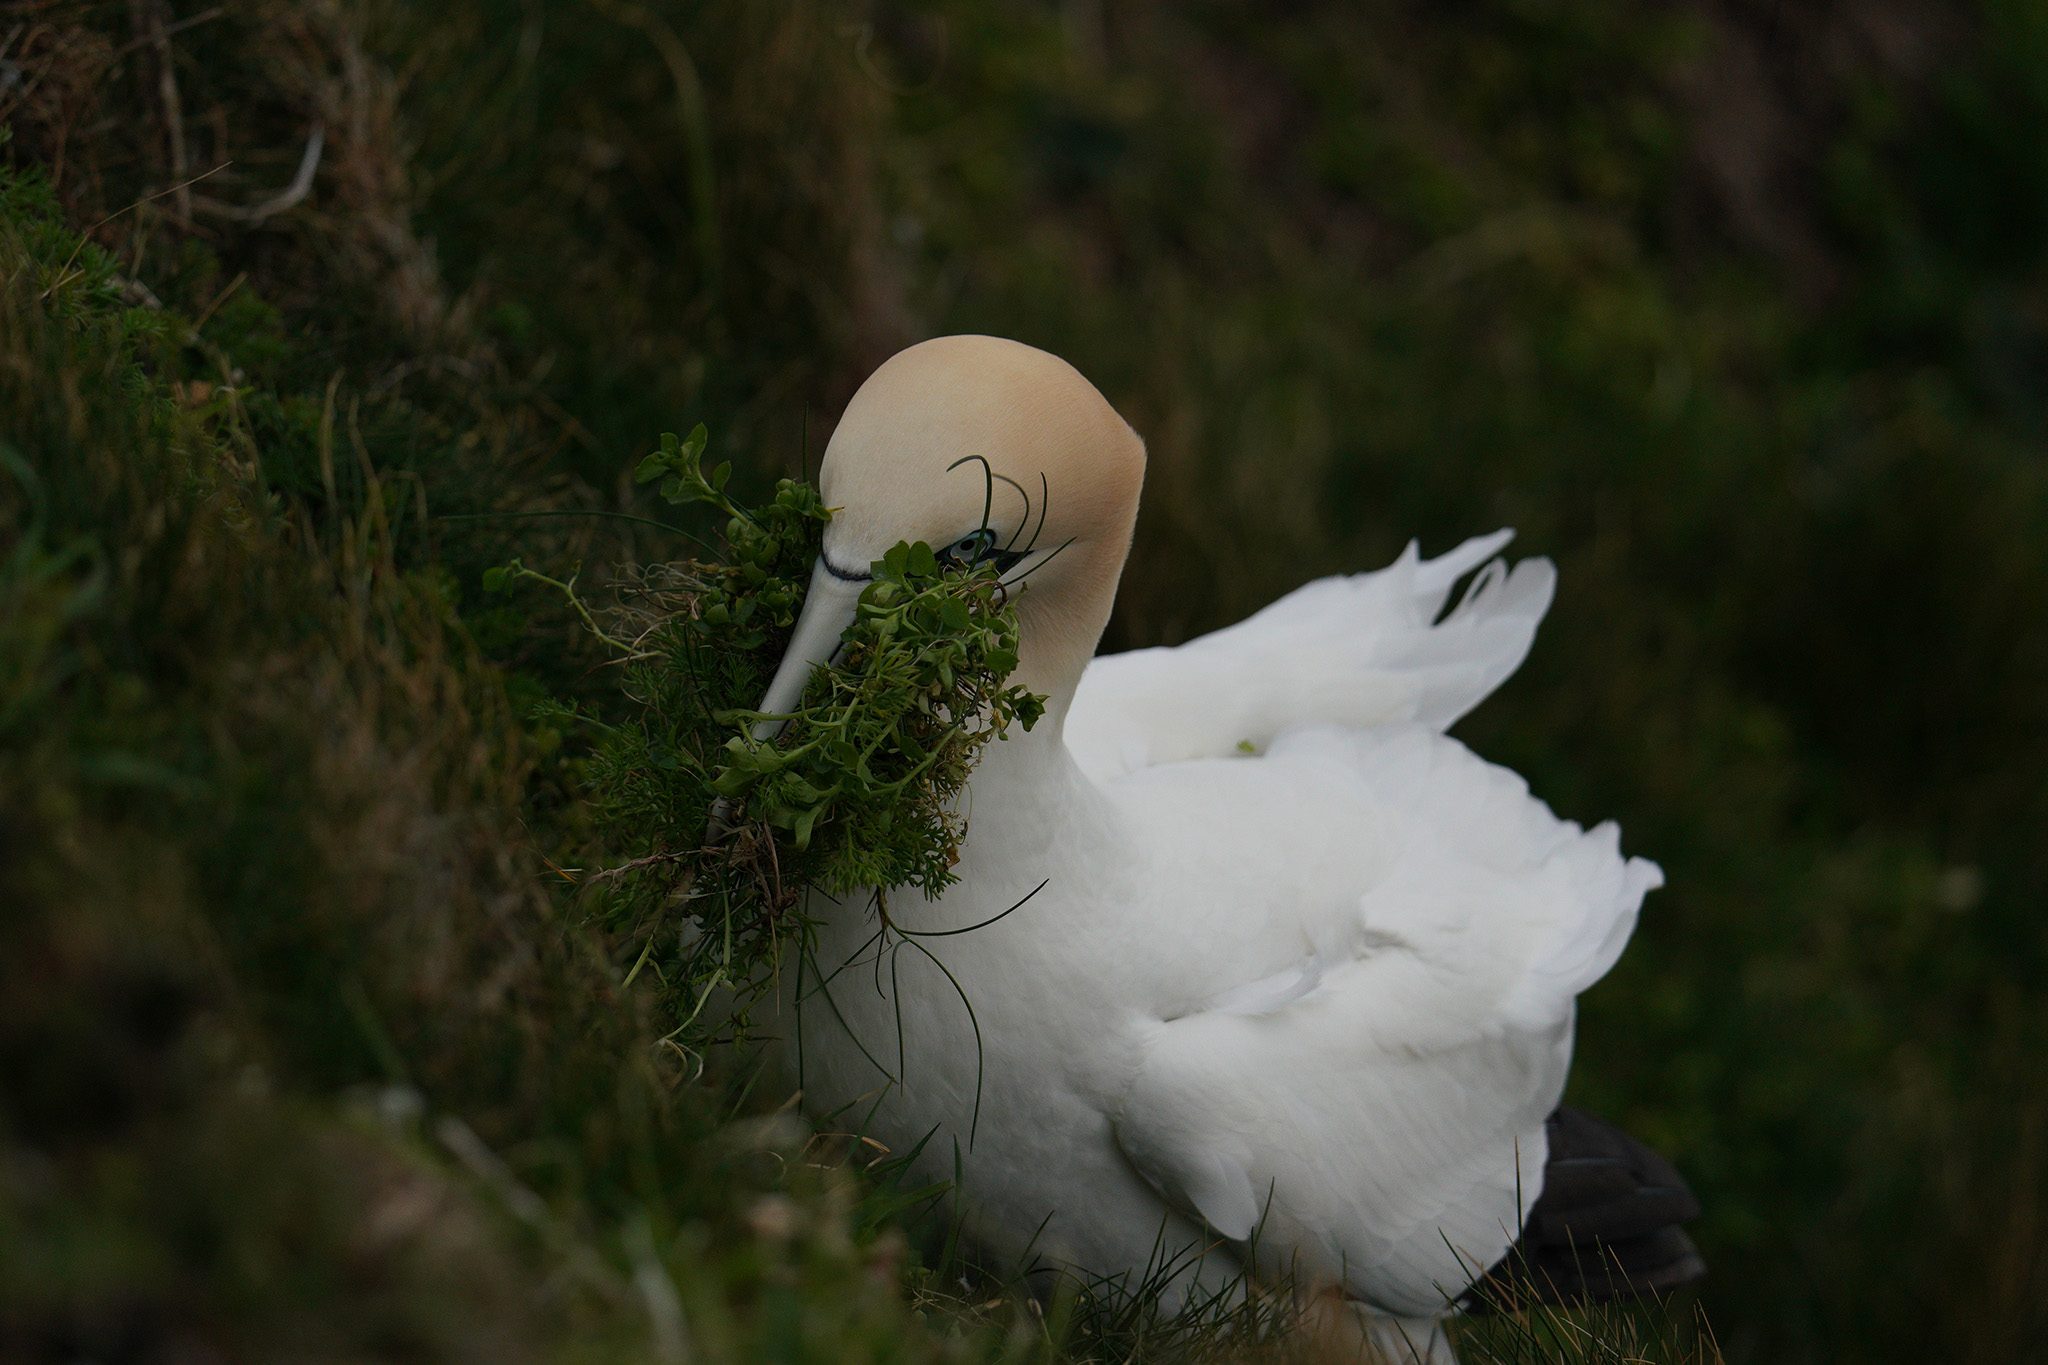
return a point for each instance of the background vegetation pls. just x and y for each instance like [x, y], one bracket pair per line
[1738, 310]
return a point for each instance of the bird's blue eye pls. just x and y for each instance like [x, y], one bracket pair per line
[970, 548]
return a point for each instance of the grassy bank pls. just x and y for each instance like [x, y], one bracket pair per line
[307, 1036]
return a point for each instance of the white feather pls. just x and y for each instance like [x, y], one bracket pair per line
[1319, 1000]
[1362, 650]
[1386, 1105]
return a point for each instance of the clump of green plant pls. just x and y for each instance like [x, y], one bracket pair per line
[857, 791]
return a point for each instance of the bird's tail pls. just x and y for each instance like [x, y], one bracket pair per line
[1608, 1224]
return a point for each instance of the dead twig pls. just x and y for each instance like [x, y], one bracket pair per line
[287, 199]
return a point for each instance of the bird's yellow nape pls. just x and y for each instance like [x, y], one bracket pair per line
[968, 434]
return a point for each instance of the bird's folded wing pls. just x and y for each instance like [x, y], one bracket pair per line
[1375, 1115]
[1365, 649]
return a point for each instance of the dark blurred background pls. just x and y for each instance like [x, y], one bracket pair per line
[1738, 310]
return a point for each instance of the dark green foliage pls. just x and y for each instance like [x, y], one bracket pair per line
[858, 789]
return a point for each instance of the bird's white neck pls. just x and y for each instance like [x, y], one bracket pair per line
[1060, 620]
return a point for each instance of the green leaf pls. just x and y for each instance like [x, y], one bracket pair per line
[863, 788]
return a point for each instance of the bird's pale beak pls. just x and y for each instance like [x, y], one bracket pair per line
[828, 611]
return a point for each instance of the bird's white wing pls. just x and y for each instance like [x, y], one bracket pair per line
[1373, 1115]
[1366, 649]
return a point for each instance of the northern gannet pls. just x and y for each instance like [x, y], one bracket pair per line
[1295, 993]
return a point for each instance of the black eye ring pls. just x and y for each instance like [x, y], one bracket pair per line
[976, 547]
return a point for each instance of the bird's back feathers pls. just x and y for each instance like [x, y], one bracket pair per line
[1359, 650]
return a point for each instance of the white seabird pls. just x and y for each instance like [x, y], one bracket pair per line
[1296, 997]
